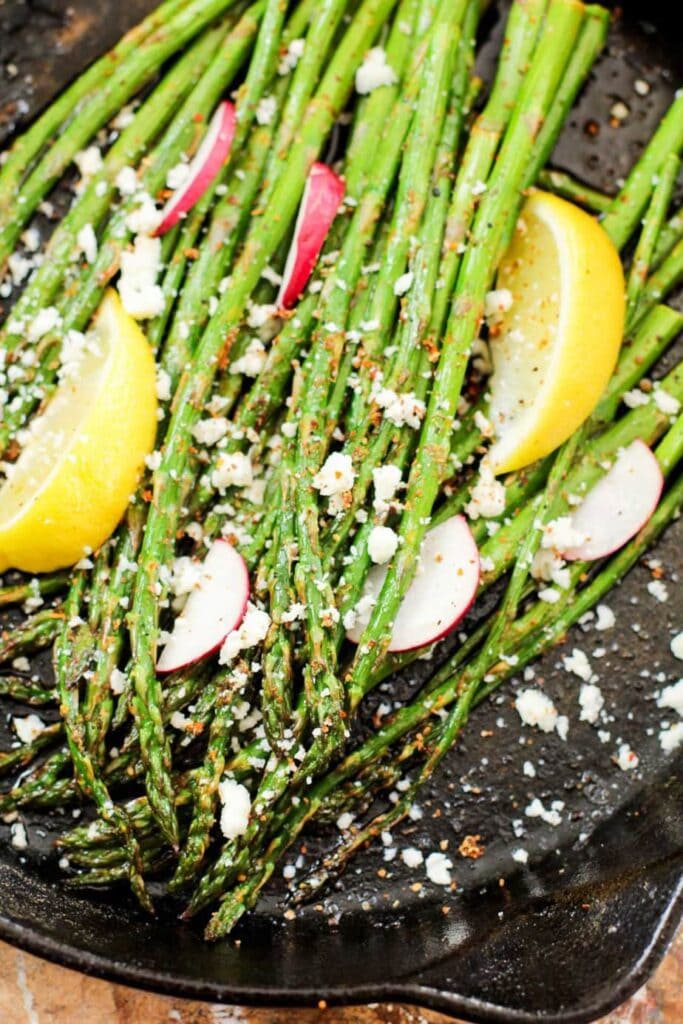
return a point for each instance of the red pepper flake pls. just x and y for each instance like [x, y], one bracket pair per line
[471, 847]
[197, 118]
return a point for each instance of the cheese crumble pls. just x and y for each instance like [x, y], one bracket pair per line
[374, 72]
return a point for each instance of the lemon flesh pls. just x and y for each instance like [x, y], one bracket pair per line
[75, 475]
[555, 348]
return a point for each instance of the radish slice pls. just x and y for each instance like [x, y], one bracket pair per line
[619, 505]
[213, 609]
[321, 199]
[441, 593]
[206, 164]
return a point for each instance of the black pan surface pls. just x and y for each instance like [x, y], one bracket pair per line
[565, 937]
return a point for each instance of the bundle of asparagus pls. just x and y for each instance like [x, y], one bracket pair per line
[311, 351]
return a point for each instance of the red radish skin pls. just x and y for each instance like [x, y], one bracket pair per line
[321, 200]
[207, 162]
[619, 505]
[440, 595]
[214, 608]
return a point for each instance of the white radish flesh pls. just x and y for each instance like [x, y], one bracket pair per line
[619, 505]
[440, 595]
[319, 205]
[214, 608]
[203, 169]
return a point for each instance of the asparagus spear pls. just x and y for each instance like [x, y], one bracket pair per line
[263, 238]
[144, 60]
[30, 144]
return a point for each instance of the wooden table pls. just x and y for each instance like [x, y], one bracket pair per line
[35, 992]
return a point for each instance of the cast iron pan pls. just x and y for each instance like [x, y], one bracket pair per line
[565, 937]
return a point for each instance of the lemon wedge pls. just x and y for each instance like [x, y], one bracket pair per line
[556, 342]
[73, 479]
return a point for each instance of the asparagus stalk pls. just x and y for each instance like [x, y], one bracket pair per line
[652, 226]
[119, 87]
[498, 209]
[562, 184]
[23, 689]
[263, 238]
[23, 755]
[28, 146]
[628, 207]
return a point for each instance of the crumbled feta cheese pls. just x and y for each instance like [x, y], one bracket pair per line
[403, 283]
[559, 535]
[401, 410]
[672, 697]
[529, 770]
[335, 476]
[291, 58]
[670, 739]
[605, 617]
[252, 362]
[360, 614]
[31, 239]
[412, 857]
[549, 595]
[260, 315]
[665, 402]
[626, 758]
[236, 807]
[266, 109]
[497, 302]
[636, 397]
[520, 855]
[487, 497]
[536, 708]
[438, 867]
[479, 188]
[252, 631]
[382, 544]
[386, 480]
[29, 728]
[345, 821]
[578, 663]
[142, 298]
[163, 385]
[483, 424]
[19, 267]
[177, 175]
[658, 590]
[591, 702]
[87, 243]
[548, 566]
[209, 432]
[46, 320]
[551, 817]
[89, 162]
[677, 646]
[144, 218]
[18, 836]
[127, 181]
[73, 349]
[294, 613]
[117, 682]
[185, 575]
[232, 470]
[179, 721]
[374, 72]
